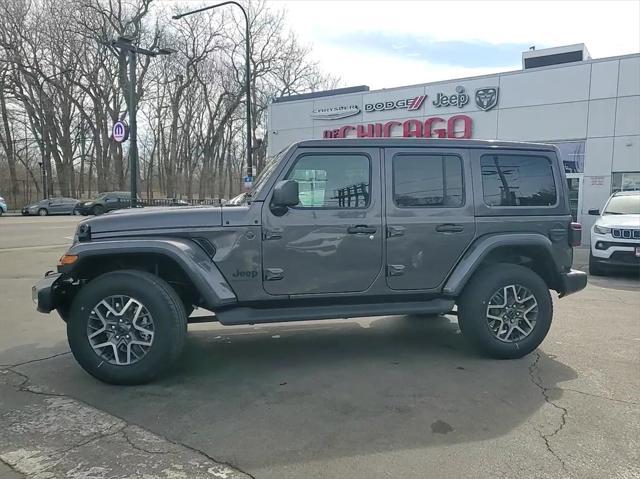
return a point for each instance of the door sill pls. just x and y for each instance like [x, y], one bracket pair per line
[246, 315]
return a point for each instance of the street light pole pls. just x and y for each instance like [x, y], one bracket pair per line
[133, 129]
[125, 44]
[247, 74]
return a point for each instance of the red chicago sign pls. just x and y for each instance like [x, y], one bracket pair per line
[458, 126]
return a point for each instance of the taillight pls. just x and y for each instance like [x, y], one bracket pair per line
[575, 234]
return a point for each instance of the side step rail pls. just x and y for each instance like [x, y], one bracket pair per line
[246, 315]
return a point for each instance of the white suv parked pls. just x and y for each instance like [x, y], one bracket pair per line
[615, 236]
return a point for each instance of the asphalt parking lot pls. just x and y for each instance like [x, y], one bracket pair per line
[397, 397]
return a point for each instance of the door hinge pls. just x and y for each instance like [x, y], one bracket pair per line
[273, 274]
[272, 234]
[395, 269]
[395, 231]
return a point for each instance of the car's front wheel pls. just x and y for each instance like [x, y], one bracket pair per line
[505, 311]
[126, 327]
[97, 210]
[43, 212]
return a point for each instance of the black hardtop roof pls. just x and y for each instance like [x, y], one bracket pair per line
[432, 142]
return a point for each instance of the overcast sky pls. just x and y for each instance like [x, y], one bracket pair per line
[393, 43]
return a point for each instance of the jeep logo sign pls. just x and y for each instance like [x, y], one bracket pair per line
[459, 99]
[410, 104]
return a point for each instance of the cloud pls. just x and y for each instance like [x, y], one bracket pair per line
[463, 53]
[385, 44]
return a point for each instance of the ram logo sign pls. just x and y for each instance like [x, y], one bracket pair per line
[487, 98]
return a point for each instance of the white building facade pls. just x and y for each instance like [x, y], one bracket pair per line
[589, 108]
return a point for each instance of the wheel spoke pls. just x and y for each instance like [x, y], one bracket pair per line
[511, 313]
[127, 326]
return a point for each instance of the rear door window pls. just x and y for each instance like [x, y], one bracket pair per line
[517, 180]
[427, 181]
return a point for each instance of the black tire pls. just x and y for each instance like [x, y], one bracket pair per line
[97, 210]
[472, 310]
[43, 212]
[164, 305]
[595, 269]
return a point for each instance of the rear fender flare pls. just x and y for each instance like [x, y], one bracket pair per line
[481, 248]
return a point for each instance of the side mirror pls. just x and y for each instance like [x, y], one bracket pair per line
[594, 212]
[285, 194]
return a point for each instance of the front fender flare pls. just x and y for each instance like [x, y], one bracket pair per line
[194, 262]
[479, 250]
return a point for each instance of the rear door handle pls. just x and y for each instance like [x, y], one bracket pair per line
[449, 228]
[361, 229]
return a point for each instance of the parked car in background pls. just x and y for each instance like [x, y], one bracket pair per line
[615, 236]
[105, 202]
[3, 206]
[50, 206]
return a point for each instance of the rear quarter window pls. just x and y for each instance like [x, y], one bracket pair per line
[518, 180]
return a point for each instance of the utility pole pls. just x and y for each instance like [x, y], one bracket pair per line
[247, 84]
[126, 45]
[133, 129]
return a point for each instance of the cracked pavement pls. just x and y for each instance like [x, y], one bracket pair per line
[378, 397]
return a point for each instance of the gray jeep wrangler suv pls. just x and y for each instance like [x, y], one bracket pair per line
[331, 229]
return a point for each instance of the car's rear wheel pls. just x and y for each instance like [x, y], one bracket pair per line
[126, 327]
[595, 269]
[505, 311]
[97, 210]
[43, 212]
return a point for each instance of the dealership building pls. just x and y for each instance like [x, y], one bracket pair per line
[589, 108]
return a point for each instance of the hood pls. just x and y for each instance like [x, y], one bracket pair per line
[156, 218]
[619, 221]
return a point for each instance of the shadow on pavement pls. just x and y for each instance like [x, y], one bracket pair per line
[290, 393]
[623, 280]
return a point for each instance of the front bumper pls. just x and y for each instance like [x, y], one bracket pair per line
[572, 282]
[44, 293]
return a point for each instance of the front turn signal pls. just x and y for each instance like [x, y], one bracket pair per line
[67, 259]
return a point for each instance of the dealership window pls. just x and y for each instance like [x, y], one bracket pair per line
[427, 180]
[332, 181]
[517, 180]
[625, 181]
[572, 155]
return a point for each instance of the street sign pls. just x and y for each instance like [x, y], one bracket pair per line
[248, 182]
[120, 131]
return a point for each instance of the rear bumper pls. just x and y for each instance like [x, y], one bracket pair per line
[572, 282]
[43, 293]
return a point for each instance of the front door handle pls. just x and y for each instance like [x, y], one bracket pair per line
[449, 228]
[361, 229]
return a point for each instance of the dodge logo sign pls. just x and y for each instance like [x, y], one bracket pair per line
[410, 104]
[487, 98]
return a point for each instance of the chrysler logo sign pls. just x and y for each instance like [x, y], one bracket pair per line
[335, 112]
[410, 104]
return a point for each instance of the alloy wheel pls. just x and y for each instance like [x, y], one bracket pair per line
[511, 313]
[120, 330]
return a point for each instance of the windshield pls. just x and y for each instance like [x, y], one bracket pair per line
[623, 205]
[261, 180]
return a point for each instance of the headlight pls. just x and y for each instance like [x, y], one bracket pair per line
[88, 203]
[601, 230]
